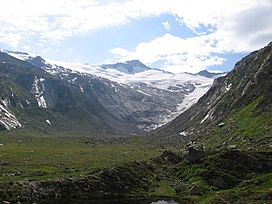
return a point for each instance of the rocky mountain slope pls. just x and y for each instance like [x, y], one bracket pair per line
[234, 113]
[31, 97]
[141, 96]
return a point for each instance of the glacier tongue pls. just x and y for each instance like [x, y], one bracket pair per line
[38, 90]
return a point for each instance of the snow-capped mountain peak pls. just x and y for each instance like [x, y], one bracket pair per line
[128, 67]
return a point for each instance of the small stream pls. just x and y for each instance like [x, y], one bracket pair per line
[165, 202]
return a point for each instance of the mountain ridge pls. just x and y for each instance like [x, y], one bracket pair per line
[235, 111]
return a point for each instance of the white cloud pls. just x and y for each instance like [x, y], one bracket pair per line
[179, 55]
[10, 38]
[166, 25]
[221, 27]
[234, 26]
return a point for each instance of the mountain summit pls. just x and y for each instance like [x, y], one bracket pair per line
[128, 67]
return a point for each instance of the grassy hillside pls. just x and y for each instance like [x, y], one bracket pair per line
[237, 110]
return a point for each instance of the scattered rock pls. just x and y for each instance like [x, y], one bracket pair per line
[179, 188]
[221, 124]
[232, 146]
[195, 190]
[18, 174]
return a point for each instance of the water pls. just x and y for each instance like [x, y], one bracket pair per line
[165, 202]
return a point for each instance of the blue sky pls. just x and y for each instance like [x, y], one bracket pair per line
[175, 35]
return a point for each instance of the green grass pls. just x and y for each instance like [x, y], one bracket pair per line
[245, 126]
[43, 157]
[255, 190]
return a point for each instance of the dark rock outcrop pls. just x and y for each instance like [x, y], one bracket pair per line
[194, 154]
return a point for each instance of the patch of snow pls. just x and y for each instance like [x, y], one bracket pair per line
[8, 119]
[228, 87]
[143, 93]
[42, 102]
[48, 122]
[6, 102]
[21, 105]
[74, 79]
[28, 102]
[205, 118]
[19, 55]
[38, 90]
[183, 133]
[81, 89]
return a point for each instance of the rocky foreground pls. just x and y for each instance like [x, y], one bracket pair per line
[230, 176]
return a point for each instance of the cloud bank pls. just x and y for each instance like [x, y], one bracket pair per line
[219, 27]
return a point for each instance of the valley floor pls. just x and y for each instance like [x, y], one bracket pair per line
[48, 169]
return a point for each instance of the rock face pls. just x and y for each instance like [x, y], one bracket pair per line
[231, 108]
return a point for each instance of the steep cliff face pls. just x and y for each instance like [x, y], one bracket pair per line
[236, 109]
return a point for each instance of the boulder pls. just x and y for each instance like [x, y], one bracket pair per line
[179, 188]
[194, 154]
[170, 156]
[218, 182]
